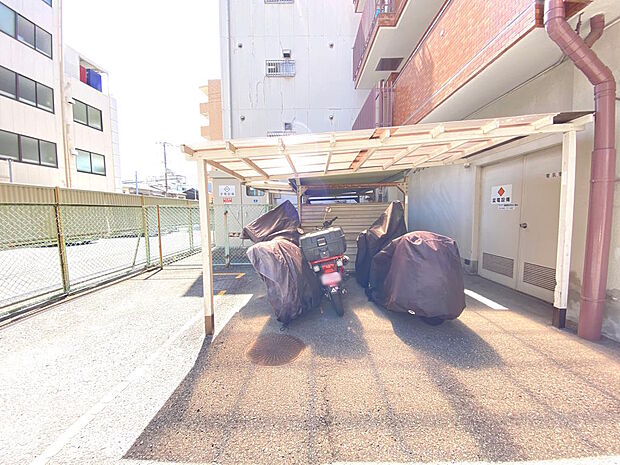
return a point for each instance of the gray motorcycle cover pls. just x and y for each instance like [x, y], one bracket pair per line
[389, 226]
[292, 286]
[420, 271]
[282, 221]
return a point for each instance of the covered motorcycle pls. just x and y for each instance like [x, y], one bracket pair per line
[282, 221]
[419, 273]
[389, 226]
[292, 287]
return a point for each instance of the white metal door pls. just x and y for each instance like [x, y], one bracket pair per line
[518, 232]
[539, 223]
[500, 215]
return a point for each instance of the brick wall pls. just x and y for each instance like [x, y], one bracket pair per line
[468, 37]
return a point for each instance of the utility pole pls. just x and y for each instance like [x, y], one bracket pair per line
[164, 144]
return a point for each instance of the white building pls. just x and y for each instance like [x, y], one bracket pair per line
[58, 124]
[284, 65]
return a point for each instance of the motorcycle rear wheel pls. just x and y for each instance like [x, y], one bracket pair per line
[336, 301]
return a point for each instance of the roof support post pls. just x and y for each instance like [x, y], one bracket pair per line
[565, 228]
[205, 232]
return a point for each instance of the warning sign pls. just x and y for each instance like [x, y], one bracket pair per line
[227, 199]
[501, 195]
[227, 190]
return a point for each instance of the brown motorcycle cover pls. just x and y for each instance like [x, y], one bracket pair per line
[292, 286]
[419, 272]
[389, 226]
[282, 222]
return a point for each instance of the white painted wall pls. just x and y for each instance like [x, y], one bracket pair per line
[563, 88]
[23, 119]
[87, 138]
[322, 86]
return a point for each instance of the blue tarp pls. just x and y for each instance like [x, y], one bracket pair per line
[94, 79]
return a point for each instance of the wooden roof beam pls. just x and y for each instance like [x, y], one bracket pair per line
[223, 169]
[356, 165]
[327, 162]
[400, 155]
[400, 141]
[256, 168]
[438, 153]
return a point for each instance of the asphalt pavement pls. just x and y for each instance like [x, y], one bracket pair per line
[124, 375]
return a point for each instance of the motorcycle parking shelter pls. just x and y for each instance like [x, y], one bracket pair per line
[263, 163]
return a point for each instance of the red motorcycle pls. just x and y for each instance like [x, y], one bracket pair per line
[324, 249]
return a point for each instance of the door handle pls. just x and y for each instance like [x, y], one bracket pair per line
[523, 225]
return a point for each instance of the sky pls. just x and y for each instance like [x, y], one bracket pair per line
[157, 54]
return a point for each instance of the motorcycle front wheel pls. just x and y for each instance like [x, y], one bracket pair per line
[336, 300]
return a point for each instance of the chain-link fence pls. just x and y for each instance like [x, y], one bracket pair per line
[48, 250]
[227, 222]
[55, 241]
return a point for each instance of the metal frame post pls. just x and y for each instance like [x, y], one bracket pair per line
[62, 250]
[565, 228]
[161, 253]
[226, 240]
[191, 226]
[145, 230]
[205, 232]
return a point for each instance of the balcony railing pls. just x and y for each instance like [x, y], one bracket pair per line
[377, 109]
[372, 10]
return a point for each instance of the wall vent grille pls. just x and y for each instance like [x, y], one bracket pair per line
[540, 276]
[498, 264]
[280, 68]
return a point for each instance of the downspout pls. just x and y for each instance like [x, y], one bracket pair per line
[603, 168]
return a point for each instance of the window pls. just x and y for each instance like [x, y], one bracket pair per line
[252, 192]
[25, 31]
[98, 163]
[48, 153]
[79, 112]
[28, 149]
[88, 162]
[85, 114]
[45, 97]
[8, 83]
[49, 2]
[26, 90]
[9, 145]
[94, 118]
[7, 20]
[44, 42]
[280, 68]
[83, 161]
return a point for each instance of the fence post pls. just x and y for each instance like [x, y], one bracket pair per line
[191, 227]
[145, 230]
[62, 250]
[161, 254]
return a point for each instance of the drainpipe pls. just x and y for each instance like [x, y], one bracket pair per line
[597, 26]
[600, 209]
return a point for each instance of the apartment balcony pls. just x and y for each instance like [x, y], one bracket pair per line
[204, 109]
[388, 33]
[377, 109]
